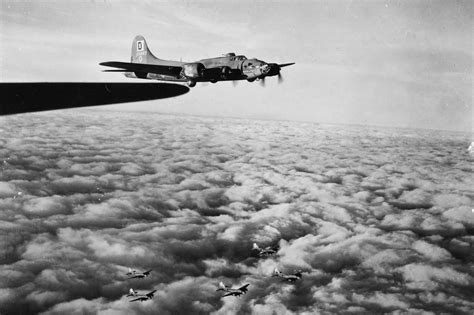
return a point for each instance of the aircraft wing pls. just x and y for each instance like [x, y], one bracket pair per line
[147, 272]
[27, 97]
[150, 294]
[228, 293]
[244, 287]
[137, 299]
[142, 67]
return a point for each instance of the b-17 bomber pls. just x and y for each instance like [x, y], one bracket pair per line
[264, 252]
[145, 297]
[287, 277]
[230, 67]
[232, 292]
[140, 275]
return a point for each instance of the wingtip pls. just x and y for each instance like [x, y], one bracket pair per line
[115, 70]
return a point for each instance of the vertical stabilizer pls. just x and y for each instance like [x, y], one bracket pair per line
[140, 51]
[221, 286]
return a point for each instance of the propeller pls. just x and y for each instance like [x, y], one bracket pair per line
[280, 77]
[274, 69]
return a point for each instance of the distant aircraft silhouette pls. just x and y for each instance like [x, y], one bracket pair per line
[141, 275]
[267, 251]
[287, 277]
[232, 292]
[145, 297]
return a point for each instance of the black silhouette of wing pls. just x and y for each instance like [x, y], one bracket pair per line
[244, 287]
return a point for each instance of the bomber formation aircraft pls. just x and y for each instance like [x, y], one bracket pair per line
[230, 67]
[135, 294]
[288, 277]
[144, 297]
[139, 275]
[232, 292]
[228, 291]
[264, 252]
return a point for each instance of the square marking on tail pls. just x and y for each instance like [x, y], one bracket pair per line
[140, 45]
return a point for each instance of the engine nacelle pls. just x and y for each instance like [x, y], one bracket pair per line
[226, 72]
[141, 75]
[193, 70]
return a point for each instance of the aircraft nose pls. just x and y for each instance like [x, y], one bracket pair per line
[265, 68]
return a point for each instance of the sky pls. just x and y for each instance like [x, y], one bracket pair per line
[388, 63]
[378, 220]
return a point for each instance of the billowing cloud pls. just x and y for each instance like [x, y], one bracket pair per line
[7, 190]
[377, 220]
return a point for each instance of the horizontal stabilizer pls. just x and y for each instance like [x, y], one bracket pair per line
[146, 68]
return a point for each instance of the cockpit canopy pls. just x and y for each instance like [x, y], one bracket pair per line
[254, 63]
[234, 57]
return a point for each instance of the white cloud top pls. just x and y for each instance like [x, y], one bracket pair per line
[378, 220]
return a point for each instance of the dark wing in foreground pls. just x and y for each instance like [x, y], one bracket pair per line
[147, 272]
[141, 67]
[33, 97]
[138, 299]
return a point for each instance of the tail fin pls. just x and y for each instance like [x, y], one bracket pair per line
[140, 51]
[255, 246]
[221, 286]
[276, 272]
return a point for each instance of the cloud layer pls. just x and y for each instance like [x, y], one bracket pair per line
[379, 220]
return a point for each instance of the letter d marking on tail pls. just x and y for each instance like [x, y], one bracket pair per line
[140, 45]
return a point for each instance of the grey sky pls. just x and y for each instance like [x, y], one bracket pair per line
[391, 63]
